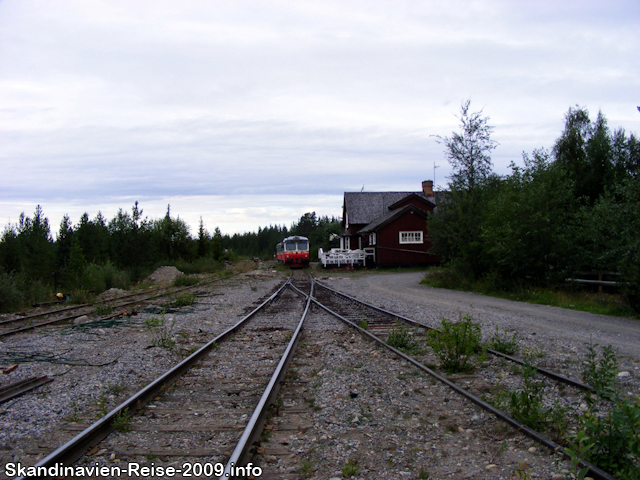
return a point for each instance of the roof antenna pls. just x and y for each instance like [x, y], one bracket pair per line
[362, 188]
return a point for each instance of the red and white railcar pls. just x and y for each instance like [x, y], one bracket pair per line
[293, 251]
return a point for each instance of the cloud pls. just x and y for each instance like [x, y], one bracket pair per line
[105, 102]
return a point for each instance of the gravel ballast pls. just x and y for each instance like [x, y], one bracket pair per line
[353, 401]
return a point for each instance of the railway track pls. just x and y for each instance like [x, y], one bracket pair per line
[378, 324]
[212, 411]
[210, 407]
[64, 315]
[381, 322]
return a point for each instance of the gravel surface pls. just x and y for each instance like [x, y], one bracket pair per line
[354, 407]
[98, 365]
[550, 337]
[351, 402]
[555, 336]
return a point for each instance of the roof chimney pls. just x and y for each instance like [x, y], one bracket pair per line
[427, 188]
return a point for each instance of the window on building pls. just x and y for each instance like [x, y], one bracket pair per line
[410, 237]
[372, 238]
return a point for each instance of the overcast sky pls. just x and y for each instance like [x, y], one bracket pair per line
[252, 113]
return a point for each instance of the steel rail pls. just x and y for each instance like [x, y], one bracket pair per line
[82, 305]
[594, 471]
[16, 389]
[548, 373]
[37, 325]
[254, 428]
[42, 314]
[72, 307]
[71, 317]
[92, 435]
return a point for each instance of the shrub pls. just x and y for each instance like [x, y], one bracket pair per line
[10, 297]
[98, 278]
[186, 281]
[609, 431]
[600, 374]
[526, 403]
[32, 290]
[201, 265]
[82, 296]
[455, 343]
[182, 300]
[614, 436]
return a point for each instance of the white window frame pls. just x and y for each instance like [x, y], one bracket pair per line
[372, 238]
[412, 237]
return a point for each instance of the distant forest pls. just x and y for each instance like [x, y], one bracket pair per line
[572, 209]
[97, 254]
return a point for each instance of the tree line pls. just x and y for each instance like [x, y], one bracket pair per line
[262, 244]
[572, 208]
[96, 254]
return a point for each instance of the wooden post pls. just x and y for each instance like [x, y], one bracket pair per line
[600, 279]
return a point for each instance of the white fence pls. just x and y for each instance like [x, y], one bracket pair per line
[338, 257]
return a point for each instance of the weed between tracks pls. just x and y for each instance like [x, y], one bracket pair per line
[182, 300]
[122, 421]
[606, 433]
[609, 430]
[154, 322]
[161, 334]
[101, 310]
[74, 417]
[103, 405]
[525, 404]
[455, 343]
[504, 343]
[351, 468]
[604, 429]
[401, 338]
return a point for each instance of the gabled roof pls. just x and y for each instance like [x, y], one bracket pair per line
[384, 220]
[428, 200]
[366, 207]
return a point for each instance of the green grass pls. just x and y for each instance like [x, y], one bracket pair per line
[186, 281]
[201, 265]
[154, 322]
[350, 468]
[182, 300]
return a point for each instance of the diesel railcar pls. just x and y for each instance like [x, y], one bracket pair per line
[293, 251]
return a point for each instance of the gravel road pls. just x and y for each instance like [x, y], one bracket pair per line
[563, 324]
